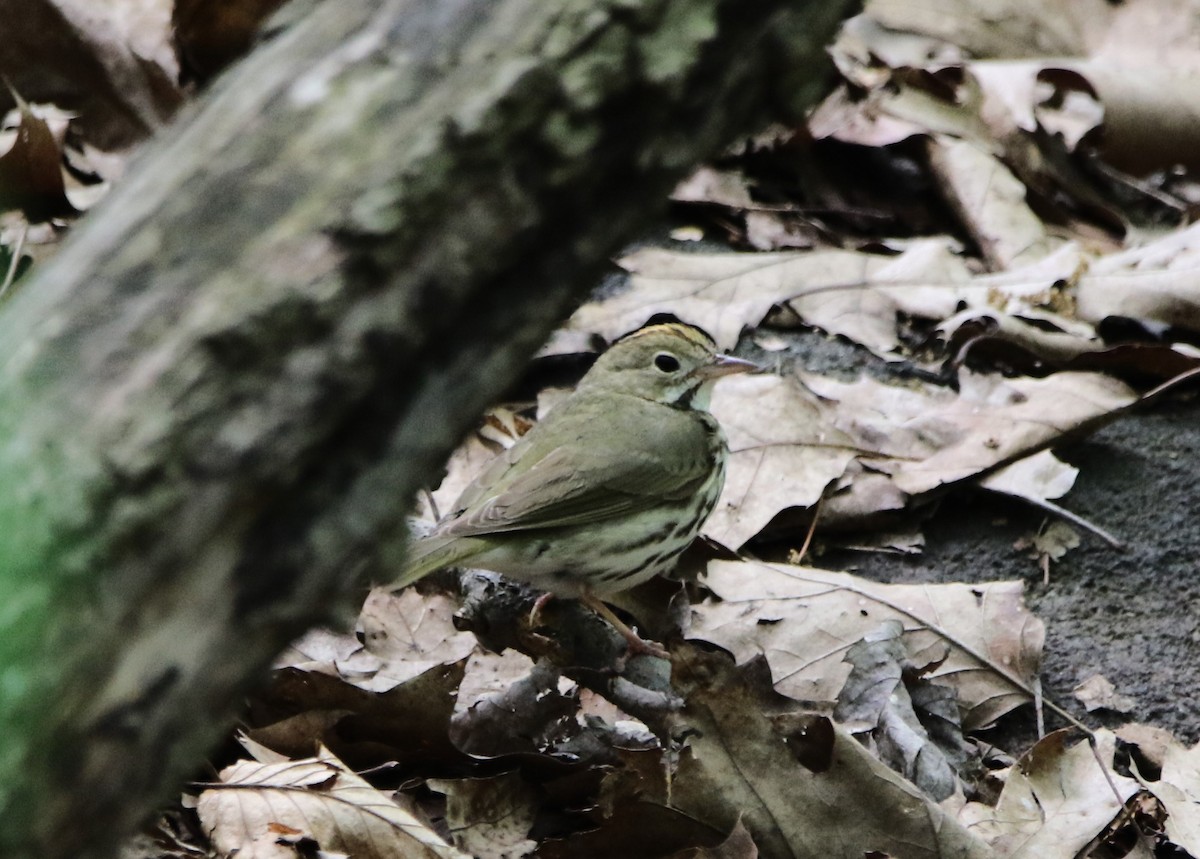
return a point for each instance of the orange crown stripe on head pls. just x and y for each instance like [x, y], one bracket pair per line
[691, 332]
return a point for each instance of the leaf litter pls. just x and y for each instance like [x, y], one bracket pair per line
[811, 712]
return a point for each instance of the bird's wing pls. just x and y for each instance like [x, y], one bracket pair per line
[570, 484]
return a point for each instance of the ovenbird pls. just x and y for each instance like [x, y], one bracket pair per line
[609, 488]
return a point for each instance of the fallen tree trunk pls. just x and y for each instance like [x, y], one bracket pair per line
[217, 401]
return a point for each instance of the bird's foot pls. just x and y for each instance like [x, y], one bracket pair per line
[535, 613]
[637, 644]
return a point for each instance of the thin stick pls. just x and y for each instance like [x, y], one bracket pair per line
[11, 274]
[1063, 513]
[812, 529]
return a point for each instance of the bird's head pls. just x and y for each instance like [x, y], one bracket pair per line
[671, 363]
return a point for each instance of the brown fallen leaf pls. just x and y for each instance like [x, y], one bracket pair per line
[990, 202]
[883, 444]
[739, 845]
[490, 818]
[409, 723]
[1178, 788]
[783, 453]
[843, 292]
[260, 809]
[736, 765]
[1155, 282]
[1098, 693]
[1056, 800]
[410, 633]
[636, 829]
[113, 63]
[1051, 543]
[985, 642]
[403, 635]
[31, 168]
[940, 437]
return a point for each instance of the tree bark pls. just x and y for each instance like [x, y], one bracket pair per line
[218, 399]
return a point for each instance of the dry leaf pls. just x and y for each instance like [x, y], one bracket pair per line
[407, 723]
[940, 437]
[1050, 544]
[410, 633]
[403, 636]
[783, 453]
[804, 621]
[722, 187]
[31, 172]
[1155, 282]
[1039, 477]
[739, 845]
[1055, 801]
[255, 805]
[790, 437]
[1098, 693]
[490, 818]
[1178, 788]
[722, 293]
[990, 202]
[736, 765]
[113, 63]
[887, 700]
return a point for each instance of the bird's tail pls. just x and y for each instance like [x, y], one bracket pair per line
[430, 554]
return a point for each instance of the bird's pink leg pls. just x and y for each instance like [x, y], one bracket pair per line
[636, 643]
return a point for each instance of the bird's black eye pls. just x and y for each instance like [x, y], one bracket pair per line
[666, 362]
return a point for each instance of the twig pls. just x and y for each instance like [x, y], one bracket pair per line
[1169, 385]
[1112, 785]
[1063, 513]
[11, 274]
[432, 502]
[812, 529]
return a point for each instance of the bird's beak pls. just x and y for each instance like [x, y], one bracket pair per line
[726, 365]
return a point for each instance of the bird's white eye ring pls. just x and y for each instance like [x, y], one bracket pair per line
[666, 362]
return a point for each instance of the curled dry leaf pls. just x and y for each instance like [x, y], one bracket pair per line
[407, 724]
[887, 700]
[1098, 693]
[256, 805]
[989, 201]
[986, 644]
[939, 437]
[1155, 282]
[884, 444]
[1056, 800]
[736, 764]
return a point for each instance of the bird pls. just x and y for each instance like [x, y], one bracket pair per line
[608, 489]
